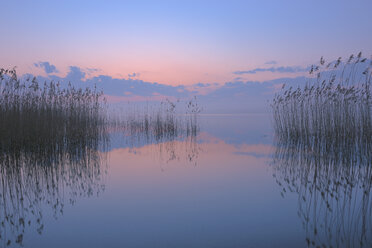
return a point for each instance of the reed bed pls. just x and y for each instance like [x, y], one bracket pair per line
[37, 119]
[333, 107]
[49, 150]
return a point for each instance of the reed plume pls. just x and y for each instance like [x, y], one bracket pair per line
[333, 108]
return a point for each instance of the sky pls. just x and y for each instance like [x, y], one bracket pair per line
[180, 43]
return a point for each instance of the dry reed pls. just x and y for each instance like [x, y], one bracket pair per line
[333, 108]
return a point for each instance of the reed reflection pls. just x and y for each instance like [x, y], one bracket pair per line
[29, 183]
[333, 184]
[186, 149]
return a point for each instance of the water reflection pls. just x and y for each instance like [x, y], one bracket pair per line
[32, 177]
[186, 149]
[171, 137]
[333, 184]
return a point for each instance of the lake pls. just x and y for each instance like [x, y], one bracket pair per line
[228, 186]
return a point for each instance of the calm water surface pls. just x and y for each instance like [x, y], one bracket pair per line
[223, 188]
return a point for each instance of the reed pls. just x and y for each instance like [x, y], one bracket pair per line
[170, 120]
[49, 150]
[333, 108]
[36, 119]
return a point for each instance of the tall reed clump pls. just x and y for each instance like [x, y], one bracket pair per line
[38, 120]
[153, 123]
[192, 111]
[50, 139]
[333, 108]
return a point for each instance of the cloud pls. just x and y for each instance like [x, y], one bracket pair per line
[271, 62]
[202, 84]
[93, 70]
[281, 69]
[119, 87]
[245, 96]
[134, 74]
[75, 74]
[48, 68]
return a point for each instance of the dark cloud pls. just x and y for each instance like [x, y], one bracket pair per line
[281, 69]
[48, 68]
